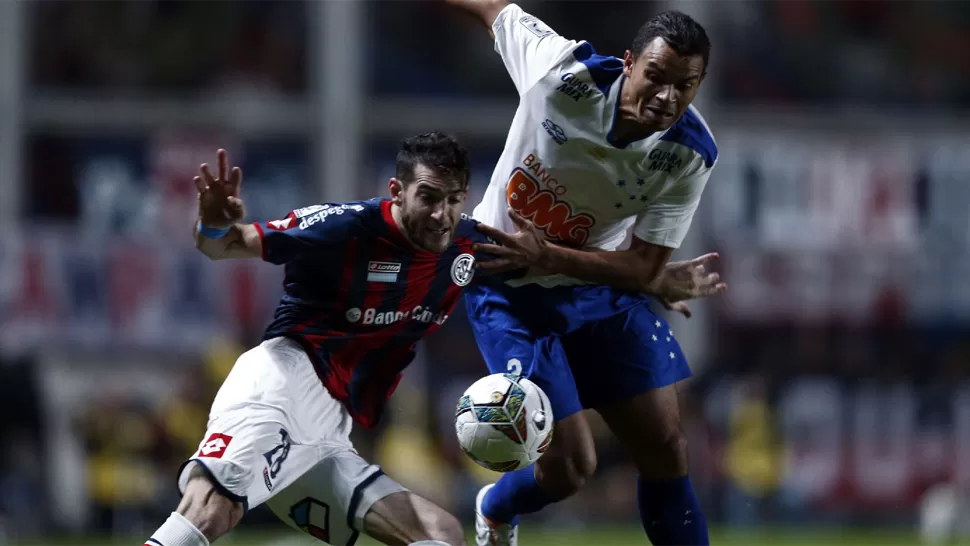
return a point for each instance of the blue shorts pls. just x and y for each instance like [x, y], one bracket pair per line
[585, 346]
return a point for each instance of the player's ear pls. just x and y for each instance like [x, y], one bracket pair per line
[628, 61]
[396, 188]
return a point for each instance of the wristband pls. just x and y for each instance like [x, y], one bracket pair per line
[212, 233]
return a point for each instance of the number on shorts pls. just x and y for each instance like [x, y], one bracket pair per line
[515, 366]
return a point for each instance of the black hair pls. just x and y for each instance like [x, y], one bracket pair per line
[440, 152]
[681, 32]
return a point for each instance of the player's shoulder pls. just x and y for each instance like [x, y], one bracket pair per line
[468, 229]
[692, 131]
[587, 65]
[348, 212]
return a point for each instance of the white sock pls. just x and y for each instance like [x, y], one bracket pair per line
[177, 531]
[429, 543]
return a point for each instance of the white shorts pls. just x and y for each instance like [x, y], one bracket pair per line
[275, 435]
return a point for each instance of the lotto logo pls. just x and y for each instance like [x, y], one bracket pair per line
[215, 446]
[282, 225]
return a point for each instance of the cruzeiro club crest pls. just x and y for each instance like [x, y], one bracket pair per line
[463, 269]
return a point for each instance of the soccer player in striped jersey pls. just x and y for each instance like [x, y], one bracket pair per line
[364, 282]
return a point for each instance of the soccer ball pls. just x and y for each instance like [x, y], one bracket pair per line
[504, 422]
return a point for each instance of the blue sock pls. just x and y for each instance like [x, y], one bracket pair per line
[670, 513]
[513, 494]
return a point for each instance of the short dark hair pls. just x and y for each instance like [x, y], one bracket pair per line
[437, 151]
[681, 32]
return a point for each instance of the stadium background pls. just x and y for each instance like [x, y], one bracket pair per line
[832, 380]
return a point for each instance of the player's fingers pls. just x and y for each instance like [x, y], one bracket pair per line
[199, 184]
[494, 233]
[682, 308]
[713, 290]
[223, 163]
[517, 219]
[494, 270]
[711, 279]
[235, 180]
[497, 250]
[235, 204]
[497, 263]
[706, 259]
[206, 175]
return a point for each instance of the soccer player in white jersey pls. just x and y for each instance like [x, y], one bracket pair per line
[605, 154]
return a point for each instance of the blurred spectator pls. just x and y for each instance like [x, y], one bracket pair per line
[754, 455]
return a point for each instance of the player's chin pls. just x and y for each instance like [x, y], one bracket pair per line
[657, 121]
[437, 243]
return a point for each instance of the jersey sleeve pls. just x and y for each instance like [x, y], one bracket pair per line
[529, 48]
[307, 228]
[667, 220]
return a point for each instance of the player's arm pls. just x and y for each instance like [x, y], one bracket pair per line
[220, 233]
[528, 47]
[484, 10]
[658, 231]
[240, 241]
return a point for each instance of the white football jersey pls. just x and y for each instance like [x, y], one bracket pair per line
[561, 167]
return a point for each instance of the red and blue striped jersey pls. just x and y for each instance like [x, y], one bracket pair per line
[358, 296]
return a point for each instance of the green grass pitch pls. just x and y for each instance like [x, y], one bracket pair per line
[613, 536]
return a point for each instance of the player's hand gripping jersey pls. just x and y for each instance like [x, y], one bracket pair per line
[562, 168]
[358, 296]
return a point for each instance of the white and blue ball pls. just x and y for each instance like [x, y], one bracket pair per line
[504, 422]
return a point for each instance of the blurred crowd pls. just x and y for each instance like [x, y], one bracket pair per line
[881, 54]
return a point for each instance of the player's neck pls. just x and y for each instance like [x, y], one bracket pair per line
[626, 128]
[399, 222]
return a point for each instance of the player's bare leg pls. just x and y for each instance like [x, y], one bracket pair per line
[559, 473]
[648, 425]
[405, 518]
[570, 460]
[203, 515]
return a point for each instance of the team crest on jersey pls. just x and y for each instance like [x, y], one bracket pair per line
[598, 152]
[535, 26]
[282, 225]
[463, 269]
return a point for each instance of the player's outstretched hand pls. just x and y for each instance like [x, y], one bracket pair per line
[518, 250]
[219, 202]
[689, 279]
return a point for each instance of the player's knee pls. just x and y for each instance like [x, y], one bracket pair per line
[212, 513]
[667, 458]
[675, 447]
[446, 528]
